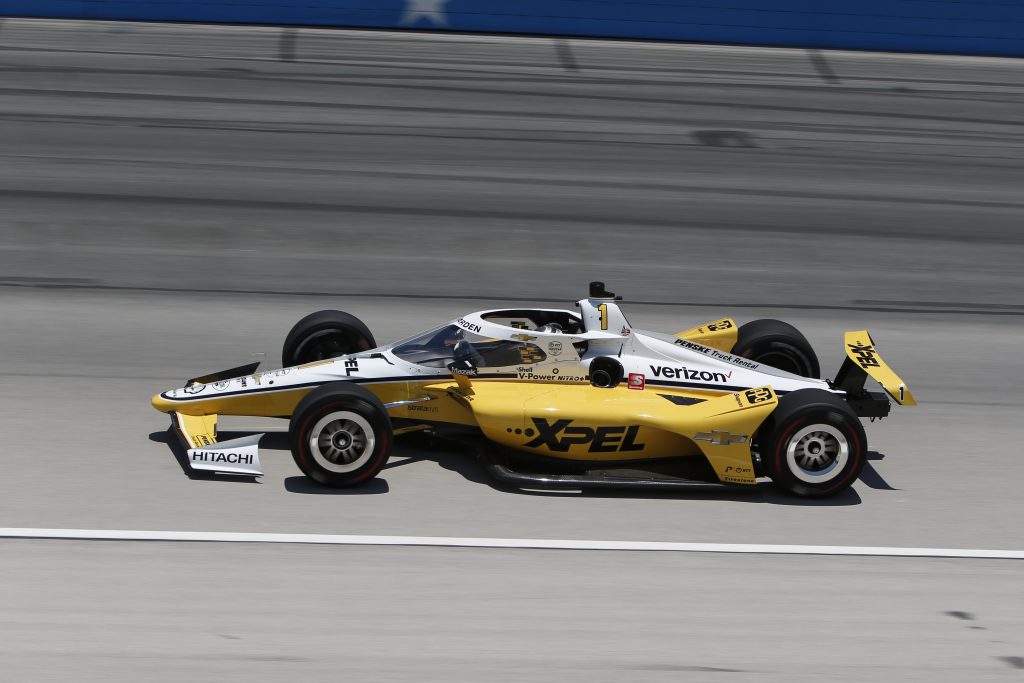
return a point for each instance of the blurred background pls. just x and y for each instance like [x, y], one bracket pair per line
[180, 182]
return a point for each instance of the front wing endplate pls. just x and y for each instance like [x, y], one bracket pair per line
[198, 434]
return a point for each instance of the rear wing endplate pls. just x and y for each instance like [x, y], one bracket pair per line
[862, 361]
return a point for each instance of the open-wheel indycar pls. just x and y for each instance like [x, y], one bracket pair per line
[561, 398]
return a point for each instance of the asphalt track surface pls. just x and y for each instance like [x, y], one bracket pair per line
[172, 199]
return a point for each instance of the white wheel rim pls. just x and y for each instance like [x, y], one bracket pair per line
[817, 454]
[342, 441]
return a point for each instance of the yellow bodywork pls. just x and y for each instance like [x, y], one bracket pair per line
[265, 404]
[860, 348]
[571, 421]
[579, 422]
[720, 334]
[198, 431]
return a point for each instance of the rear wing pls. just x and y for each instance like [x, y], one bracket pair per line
[863, 361]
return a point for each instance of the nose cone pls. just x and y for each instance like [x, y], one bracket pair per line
[162, 404]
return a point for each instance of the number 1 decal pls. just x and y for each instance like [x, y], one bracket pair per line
[603, 310]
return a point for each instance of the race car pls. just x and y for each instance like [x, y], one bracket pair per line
[561, 398]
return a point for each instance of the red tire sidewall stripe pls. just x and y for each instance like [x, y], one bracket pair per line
[780, 444]
[779, 454]
[381, 448]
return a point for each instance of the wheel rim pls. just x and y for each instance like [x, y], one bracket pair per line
[817, 454]
[342, 441]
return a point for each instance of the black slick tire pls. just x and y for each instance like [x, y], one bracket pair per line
[340, 435]
[812, 445]
[778, 344]
[323, 335]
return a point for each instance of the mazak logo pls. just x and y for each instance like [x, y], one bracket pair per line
[682, 372]
[867, 357]
[558, 436]
[217, 456]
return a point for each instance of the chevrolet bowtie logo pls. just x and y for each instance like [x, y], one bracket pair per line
[523, 337]
[720, 438]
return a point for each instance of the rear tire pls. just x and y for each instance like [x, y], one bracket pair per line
[323, 335]
[606, 372]
[778, 344]
[812, 445]
[340, 435]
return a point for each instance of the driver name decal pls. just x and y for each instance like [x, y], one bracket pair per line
[469, 326]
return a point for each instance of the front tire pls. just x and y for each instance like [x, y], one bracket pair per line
[778, 344]
[323, 335]
[813, 445]
[341, 435]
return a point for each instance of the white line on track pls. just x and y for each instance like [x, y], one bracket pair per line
[524, 543]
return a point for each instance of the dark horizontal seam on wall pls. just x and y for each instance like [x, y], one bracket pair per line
[486, 112]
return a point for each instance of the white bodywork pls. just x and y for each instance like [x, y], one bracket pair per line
[658, 359]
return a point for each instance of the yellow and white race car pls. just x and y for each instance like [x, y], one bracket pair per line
[563, 399]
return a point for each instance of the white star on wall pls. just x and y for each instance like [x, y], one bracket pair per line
[432, 10]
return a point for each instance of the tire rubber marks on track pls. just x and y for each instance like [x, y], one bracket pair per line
[286, 44]
[565, 55]
[822, 66]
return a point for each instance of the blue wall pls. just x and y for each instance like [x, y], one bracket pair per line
[983, 27]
